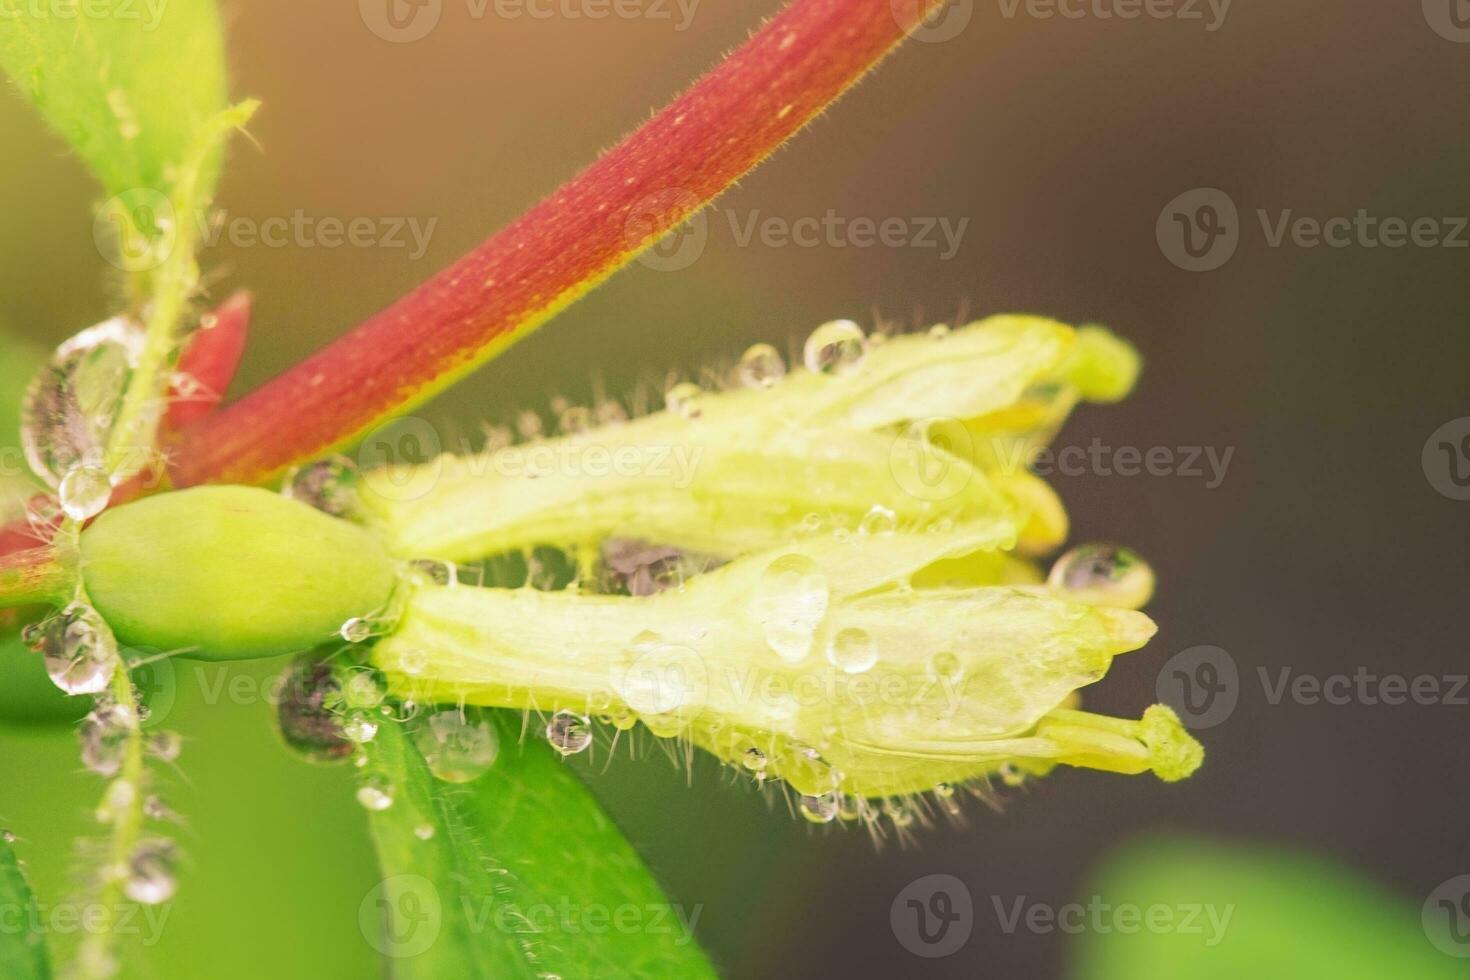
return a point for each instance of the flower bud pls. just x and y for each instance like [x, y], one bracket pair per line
[231, 573]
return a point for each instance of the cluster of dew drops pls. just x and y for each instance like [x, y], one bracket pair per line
[68, 421]
[331, 720]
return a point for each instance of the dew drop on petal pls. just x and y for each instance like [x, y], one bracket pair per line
[753, 759]
[837, 347]
[152, 878]
[790, 602]
[849, 807]
[939, 331]
[1103, 574]
[375, 795]
[1011, 775]
[943, 790]
[878, 520]
[685, 400]
[852, 651]
[71, 406]
[84, 492]
[431, 571]
[424, 831]
[569, 733]
[329, 485]
[457, 747]
[821, 808]
[79, 650]
[761, 366]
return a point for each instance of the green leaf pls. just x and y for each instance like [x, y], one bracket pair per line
[130, 85]
[23, 954]
[524, 875]
[1222, 912]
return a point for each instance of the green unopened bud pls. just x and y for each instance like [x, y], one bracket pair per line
[225, 573]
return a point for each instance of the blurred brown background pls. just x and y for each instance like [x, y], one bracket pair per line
[1325, 548]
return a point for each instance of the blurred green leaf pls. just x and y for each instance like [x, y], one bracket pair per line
[1261, 913]
[23, 954]
[129, 85]
[524, 875]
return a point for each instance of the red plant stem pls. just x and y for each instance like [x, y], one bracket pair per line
[682, 158]
[209, 363]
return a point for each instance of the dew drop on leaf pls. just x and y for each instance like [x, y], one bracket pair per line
[569, 733]
[878, 520]
[761, 366]
[360, 728]
[424, 831]
[71, 406]
[1103, 574]
[852, 651]
[836, 347]
[790, 602]
[457, 747]
[753, 759]
[375, 795]
[167, 746]
[358, 629]
[152, 878]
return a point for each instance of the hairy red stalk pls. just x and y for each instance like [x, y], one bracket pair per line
[682, 158]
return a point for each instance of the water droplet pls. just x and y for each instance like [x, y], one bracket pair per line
[761, 366]
[431, 571]
[413, 661]
[1011, 775]
[104, 735]
[819, 809]
[79, 650]
[424, 831]
[852, 651]
[790, 602]
[457, 747]
[878, 520]
[72, 405]
[804, 768]
[360, 728]
[610, 412]
[329, 485]
[939, 331]
[685, 400]
[151, 873]
[569, 732]
[837, 347]
[167, 746]
[8, 836]
[943, 790]
[362, 690]
[1103, 574]
[84, 492]
[306, 715]
[898, 813]
[358, 629]
[657, 678]
[375, 795]
[849, 807]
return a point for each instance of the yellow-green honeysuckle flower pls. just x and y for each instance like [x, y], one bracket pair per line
[818, 663]
[925, 431]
